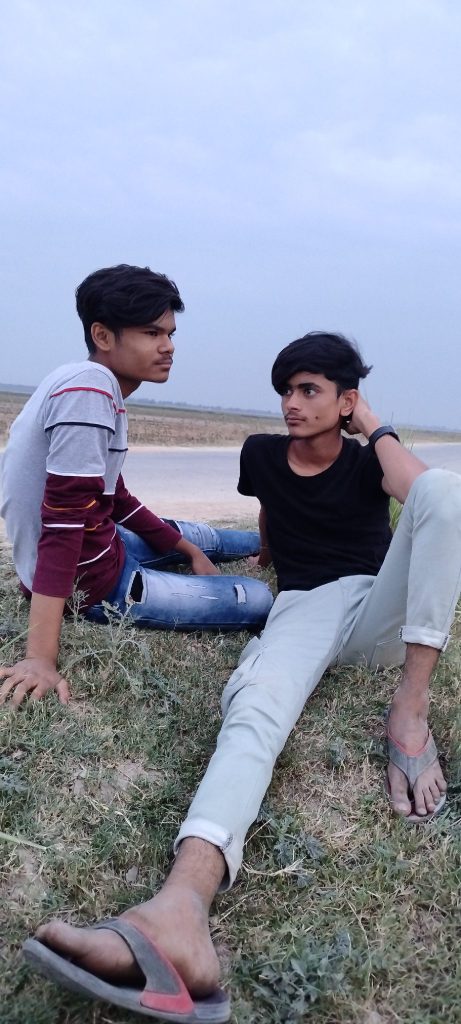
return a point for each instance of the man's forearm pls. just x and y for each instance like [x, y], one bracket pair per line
[400, 467]
[44, 626]
[200, 563]
[130, 512]
[185, 547]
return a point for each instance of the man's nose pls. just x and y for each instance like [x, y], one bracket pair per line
[167, 345]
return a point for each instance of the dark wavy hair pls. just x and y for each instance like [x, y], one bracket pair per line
[317, 352]
[124, 296]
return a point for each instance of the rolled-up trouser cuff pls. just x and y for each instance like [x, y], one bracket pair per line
[427, 637]
[200, 828]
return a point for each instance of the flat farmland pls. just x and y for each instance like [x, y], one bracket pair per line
[191, 428]
[167, 425]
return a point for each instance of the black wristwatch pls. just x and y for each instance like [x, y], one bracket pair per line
[380, 432]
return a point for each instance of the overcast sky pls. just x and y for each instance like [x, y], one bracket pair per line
[292, 164]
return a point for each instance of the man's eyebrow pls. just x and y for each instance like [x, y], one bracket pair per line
[157, 327]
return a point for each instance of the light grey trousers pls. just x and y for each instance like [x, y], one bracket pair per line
[354, 620]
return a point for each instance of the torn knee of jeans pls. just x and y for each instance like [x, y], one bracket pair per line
[137, 587]
[241, 593]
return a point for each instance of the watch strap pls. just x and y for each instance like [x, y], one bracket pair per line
[373, 438]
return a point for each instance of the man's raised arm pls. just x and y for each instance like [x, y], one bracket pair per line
[400, 467]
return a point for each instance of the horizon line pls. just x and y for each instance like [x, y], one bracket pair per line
[28, 389]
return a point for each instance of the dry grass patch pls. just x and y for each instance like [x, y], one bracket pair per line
[154, 425]
[157, 425]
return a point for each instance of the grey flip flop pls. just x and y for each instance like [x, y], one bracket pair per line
[413, 765]
[164, 997]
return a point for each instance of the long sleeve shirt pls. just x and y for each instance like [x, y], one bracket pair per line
[63, 488]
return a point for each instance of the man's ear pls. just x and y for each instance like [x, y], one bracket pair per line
[349, 401]
[103, 338]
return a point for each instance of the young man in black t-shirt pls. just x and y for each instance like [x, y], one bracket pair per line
[348, 593]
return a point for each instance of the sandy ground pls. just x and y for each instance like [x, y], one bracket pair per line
[188, 483]
[201, 483]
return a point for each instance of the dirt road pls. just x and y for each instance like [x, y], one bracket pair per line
[201, 483]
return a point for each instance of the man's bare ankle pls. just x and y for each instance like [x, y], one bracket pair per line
[420, 663]
[406, 699]
[199, 868]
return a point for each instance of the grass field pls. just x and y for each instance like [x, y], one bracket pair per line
[341, 914]
[156, 425]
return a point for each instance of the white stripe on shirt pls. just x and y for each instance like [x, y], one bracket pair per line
[120, 521]
[100, 555]
[65, 526]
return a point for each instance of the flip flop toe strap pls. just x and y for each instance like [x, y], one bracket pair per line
[165, 990]
[412, 765]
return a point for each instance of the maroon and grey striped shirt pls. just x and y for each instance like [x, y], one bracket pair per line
[63, 491]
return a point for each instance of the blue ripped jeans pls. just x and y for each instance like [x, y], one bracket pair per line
[167, 600]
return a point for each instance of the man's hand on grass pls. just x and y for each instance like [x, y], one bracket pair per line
[34, 676]
[262, 560]
[37, 673]
[201, 565]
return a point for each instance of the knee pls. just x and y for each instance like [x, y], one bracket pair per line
[258, 597]
[439, 491]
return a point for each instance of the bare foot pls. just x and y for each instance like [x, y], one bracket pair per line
[176, 919]
[409, 728]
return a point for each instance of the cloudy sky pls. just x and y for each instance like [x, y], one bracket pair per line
[292, 164]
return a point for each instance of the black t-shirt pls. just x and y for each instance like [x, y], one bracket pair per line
[319, 527]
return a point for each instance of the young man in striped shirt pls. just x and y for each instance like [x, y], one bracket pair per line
[68, 513]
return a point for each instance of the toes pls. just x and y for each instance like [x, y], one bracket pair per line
[424, 804]
[401, 805]
[76, 943]
[428, 790]
[398, 784]
[435, 791]
[105, 954]
[61, 936]
[427, 797]
[441, 783]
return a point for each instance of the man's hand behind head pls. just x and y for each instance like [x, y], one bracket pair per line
[363, 420]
